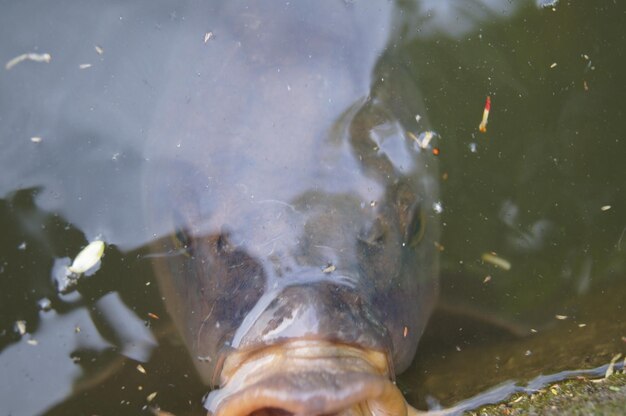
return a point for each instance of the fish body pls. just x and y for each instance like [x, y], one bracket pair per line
[296, 232]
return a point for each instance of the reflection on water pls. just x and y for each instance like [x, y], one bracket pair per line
[543, 188]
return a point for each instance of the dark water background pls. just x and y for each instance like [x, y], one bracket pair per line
[543, 188]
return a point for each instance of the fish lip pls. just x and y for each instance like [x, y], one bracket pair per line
[307, 377]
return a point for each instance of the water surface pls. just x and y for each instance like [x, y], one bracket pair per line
[543, 188]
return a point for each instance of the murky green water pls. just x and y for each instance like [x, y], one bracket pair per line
[543, 188]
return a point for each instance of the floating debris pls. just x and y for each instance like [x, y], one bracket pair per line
[582, 325]
[153, 315]
[439, 246]
[405, 332]
[44, 304]
[438, 207]
[88, 257]
[22, 246]
[208, 36]
[20, 327]
[553, 65]
[473, 147]
[84, 66]
[436, 151]
[425, 139]
[533, 330]
[561, 317]
[519, 399]
[487, 279]
[32, 342]
[35, 57]
[99, 49]
[36, 139]
[605, 208]
[497, 261]
[141, 369]
[417, 118]
[547, 3]
[585, 86]
[67, 273]
[482, 127]
[329, 269]
[611, 368]
[151, 396]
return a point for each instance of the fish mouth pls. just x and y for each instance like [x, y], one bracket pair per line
[307, 378]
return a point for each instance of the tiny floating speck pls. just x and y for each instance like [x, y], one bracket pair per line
[35, 57]
[88, 257]
[32, 342]
[84, 66]
[496, 261]
[35, 139]
[561, 317]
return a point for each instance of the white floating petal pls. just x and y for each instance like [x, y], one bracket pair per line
[88, 257]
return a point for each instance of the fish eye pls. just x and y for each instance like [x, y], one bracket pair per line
[415, 231]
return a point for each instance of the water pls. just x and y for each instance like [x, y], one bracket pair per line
[543, 188]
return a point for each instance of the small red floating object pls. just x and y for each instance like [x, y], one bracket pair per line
[436, 151]
[483, 124]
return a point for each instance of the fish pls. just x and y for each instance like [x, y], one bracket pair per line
[295, 239]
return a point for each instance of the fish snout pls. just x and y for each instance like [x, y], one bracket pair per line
[307, 378]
